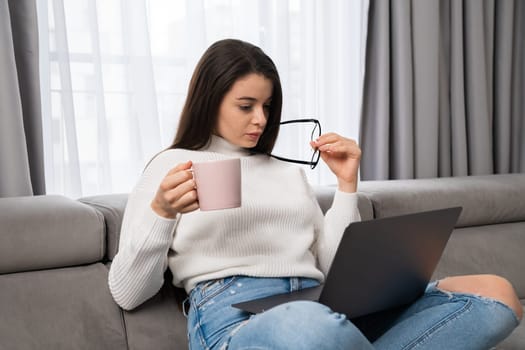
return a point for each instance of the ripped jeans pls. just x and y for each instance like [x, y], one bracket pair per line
[437, 320]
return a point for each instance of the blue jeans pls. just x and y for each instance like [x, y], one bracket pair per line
[438, 320]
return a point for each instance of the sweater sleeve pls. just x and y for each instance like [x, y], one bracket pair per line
[343, 211]
[137, 271]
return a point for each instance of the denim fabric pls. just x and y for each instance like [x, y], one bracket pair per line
[438, 320]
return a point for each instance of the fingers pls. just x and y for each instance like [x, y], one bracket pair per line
[176, 192]
[181, 166]
[337, 145]
[175, 179]
[342, 155]
[180, 196]
[187, 202]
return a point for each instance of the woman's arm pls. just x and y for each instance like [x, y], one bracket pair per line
[342, 213]
[342, 156]
[150, 218]
[137, 271]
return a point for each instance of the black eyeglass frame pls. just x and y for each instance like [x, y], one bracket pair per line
[316, 155]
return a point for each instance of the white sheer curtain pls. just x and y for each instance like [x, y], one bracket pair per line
[115, 75]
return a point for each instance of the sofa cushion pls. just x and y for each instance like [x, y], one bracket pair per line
[477, 250]
[516, 340]
[143, 328]
[57, 309]
[48, 231]
[490, 199]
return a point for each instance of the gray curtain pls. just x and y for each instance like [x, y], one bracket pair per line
[444, 91]
[21, 145]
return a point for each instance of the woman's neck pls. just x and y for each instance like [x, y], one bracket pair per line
[219, 145]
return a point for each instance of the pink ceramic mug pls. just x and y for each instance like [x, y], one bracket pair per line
[218, 183]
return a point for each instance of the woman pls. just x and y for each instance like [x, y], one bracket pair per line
[278, 240]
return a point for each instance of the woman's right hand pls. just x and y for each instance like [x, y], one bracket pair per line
[176, 193]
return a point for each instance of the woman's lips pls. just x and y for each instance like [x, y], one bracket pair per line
[253, 135]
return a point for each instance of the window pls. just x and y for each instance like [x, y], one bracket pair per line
[114, 76]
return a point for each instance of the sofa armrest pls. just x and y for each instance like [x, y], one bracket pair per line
[41, 232]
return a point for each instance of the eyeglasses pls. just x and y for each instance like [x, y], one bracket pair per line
[314, 135]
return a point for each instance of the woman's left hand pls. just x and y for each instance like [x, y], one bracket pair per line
[342, 156]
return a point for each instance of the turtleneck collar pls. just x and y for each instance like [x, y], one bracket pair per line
[219, 145]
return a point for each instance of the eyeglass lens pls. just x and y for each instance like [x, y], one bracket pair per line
[316, 133]
[311, 124]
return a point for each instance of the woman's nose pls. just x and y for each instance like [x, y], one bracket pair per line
[259, 117]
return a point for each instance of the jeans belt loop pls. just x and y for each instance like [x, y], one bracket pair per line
[186, 306]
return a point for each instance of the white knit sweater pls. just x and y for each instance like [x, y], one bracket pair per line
[278, 231]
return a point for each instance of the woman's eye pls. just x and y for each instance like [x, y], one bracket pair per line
[267, 107]
[245, 107]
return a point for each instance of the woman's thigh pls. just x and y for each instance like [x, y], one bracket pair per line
[305, 325]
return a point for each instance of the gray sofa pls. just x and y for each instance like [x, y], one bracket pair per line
[55, 253]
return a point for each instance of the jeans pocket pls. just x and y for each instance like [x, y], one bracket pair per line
[210, 289]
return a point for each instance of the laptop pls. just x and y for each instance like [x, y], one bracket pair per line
[381, 264]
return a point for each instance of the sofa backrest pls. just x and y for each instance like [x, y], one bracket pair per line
[112, 207]
[490, 233]
[490, 199]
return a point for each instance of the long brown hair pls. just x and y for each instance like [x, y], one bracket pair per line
[219, 68]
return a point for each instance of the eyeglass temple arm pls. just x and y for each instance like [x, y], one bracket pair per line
[291, 160]
[306, 120]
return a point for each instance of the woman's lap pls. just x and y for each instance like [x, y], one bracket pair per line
[437, 319]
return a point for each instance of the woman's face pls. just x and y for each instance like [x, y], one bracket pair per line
[244, 110]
